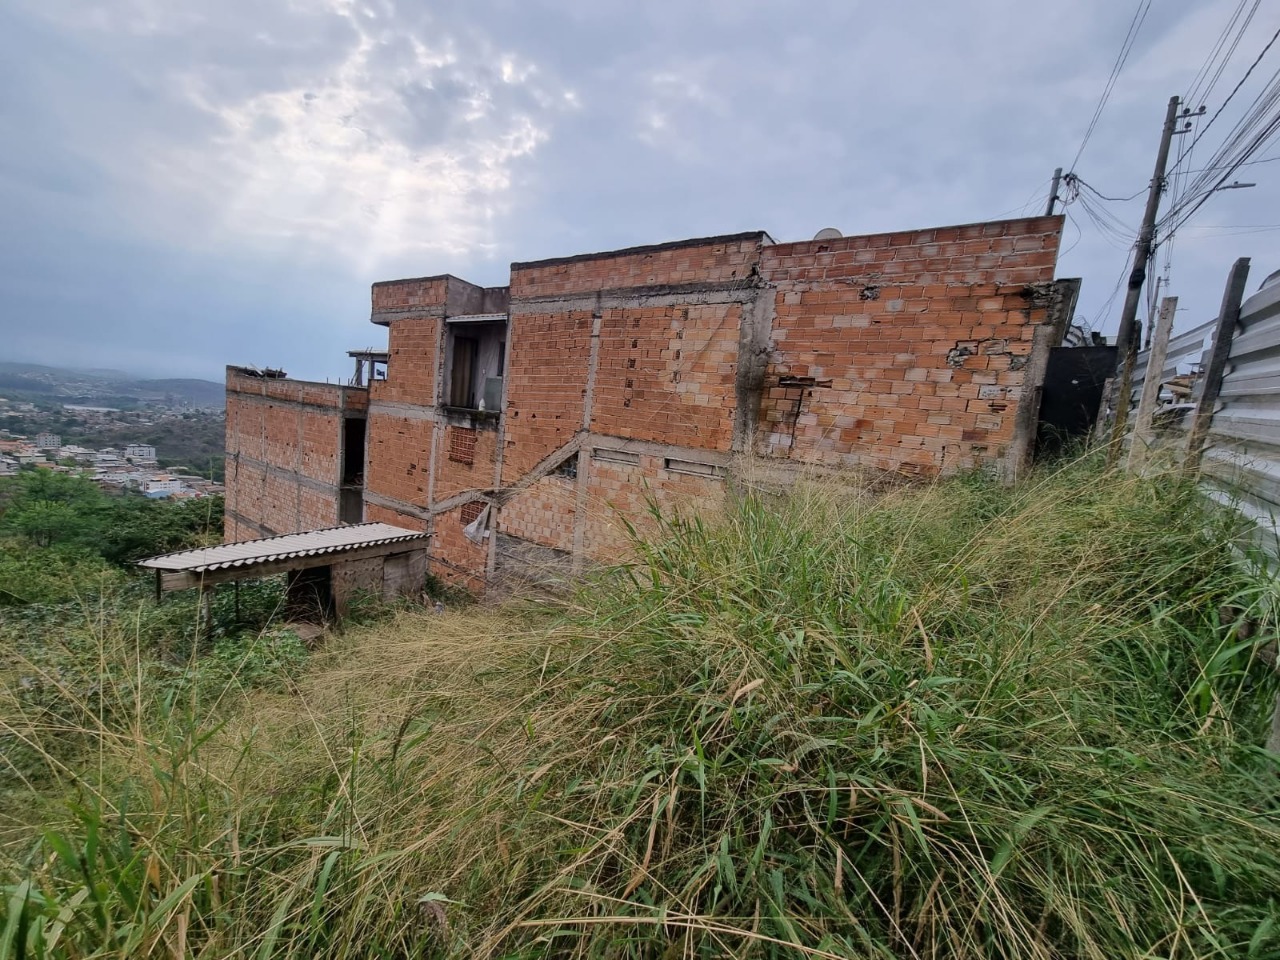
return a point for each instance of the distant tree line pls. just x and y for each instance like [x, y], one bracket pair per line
[56, 511]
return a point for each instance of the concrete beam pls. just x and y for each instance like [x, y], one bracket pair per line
[661, 295]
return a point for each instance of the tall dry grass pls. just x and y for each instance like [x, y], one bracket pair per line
[948, 721]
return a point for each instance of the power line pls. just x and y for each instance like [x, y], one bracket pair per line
[1194, 92]
[1217, 113]
[1247, 163]
[1094, 190]
[1139, 16]
[1039, 191]
[1242, 143]
[1258, 141]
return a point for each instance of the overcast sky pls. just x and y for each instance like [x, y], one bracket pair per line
[189, 184]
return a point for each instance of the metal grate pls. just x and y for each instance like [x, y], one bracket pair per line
[462, 445]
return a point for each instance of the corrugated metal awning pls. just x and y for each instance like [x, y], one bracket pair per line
[249, 553]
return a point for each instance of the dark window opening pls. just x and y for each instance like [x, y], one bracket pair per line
[309, 595]
[353, 434]
[474, 364]
[567, 468]
[470, 512]
[351, 505]
[463, 373]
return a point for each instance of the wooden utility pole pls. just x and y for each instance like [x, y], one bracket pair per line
[1143, 435]
[1127, 337]
[1053, 192]
[1211, 379]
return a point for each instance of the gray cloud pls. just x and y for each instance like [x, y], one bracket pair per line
[198, 184]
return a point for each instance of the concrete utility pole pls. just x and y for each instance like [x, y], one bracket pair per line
[1126, 340]
[1053, 192]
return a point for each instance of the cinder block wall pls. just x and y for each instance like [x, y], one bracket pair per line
[925, 336]
[283, 453]
[426, 467]
[636, 347]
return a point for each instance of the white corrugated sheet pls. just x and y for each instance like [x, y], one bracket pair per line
[1241, 462]
[249, 552]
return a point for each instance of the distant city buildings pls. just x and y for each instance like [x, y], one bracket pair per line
[162, 485]
[136, 452]
[134, 468]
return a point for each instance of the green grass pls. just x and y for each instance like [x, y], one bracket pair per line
[948, 721]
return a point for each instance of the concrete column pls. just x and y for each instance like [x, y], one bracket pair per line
[584, 453]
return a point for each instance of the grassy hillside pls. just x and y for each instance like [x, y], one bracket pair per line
[953, 721]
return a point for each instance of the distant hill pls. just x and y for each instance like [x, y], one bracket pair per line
[201, 393]
[37, 383]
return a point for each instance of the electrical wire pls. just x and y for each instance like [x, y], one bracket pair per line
[1257, 124]
[1079, 233]
[1217, 113]
[1248, 137]
[1247, 163]
[1100, 196]
[1039, 191]
[1115, 292]
[1194, 92]
[1135, 25]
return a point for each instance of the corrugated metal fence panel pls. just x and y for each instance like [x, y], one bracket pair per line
[1171, 424]
[1241, 462]
[1184, 350]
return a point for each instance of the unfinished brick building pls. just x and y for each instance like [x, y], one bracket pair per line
[520, 425]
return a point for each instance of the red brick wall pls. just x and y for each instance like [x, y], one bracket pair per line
[283, 442]
[720, 260]
[922, 334]
[543, 513]
[424, 292]
[455, 558]
[412, 344]
[454, 477]
[667, 374]
[546, 383]
[274, 501]
[616, 491]
[373, 513]
[399, 458]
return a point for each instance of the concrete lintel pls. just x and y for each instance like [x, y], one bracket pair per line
[662, 295]
[760, 236]
[410, 411]
[541, 469]
[250, 380]
[385, 318]
[458, 499]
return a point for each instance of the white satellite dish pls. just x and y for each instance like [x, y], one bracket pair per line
[828, 233]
